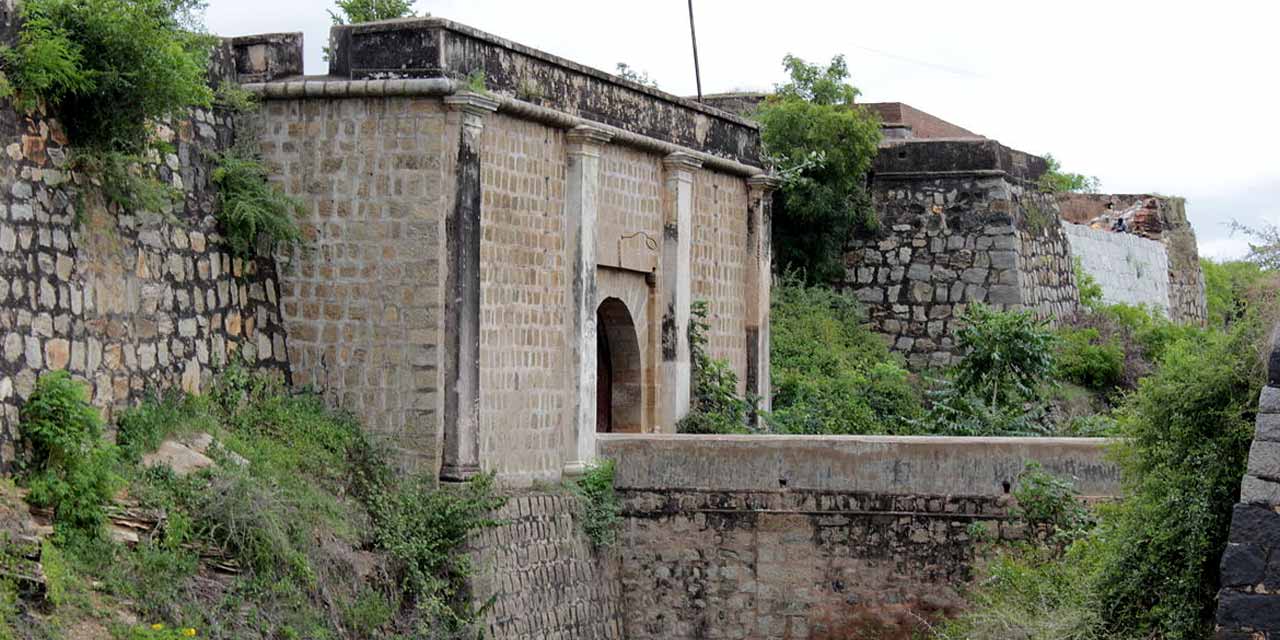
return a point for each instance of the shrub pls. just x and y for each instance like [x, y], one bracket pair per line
[601, 510]
[1008, 355]
[716, 406]
[357, 11]
[251, 207]
[1090, 290]
[1084, 358]
[822, 146]
[830, 374]
[424, 528]
[1050, 506]
[1186, 435]
[1233, 289]
[67, 465]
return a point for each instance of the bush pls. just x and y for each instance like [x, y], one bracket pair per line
[1084, 358]
[830, 374]
[1090, 290]
[251, 207]
[1007, 355]
[601, 510]
[1050, 506]
[715, 405]
[1233, 289]
[357, 11]
[67, 465]
[1186, 435]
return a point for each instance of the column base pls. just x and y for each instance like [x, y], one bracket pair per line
[459, 473]
[574, 469]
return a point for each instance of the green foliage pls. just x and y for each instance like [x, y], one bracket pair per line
[627, 72]
[424, 528]
[67, 465]
[1234, 288]
[1008, 354]
[8, 609]
[158, 631]
[141, 429]
[476, 81]
[1090, 290]
[956, 412]
[830, 374]
[601, 509]
[1084, 358]
[715, 404]
[357, 11]
[1050, 506]
[109, 68]
[249, 206]
[822, 146]
[124, 180]
[1055, 180]
[1186, 435]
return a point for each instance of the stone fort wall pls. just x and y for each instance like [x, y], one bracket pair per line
[127, 302]
[1129, 268]
[815, 537]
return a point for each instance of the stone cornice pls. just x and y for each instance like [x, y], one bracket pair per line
[472, 103]
[681, 161]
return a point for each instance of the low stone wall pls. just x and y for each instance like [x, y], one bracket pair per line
[546, 579]
[1249, 601]
[815, 537]
[1129, 268]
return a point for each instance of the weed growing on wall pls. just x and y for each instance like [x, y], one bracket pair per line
[601, 509]
[716, 406]
[66, 464]
[250, 207]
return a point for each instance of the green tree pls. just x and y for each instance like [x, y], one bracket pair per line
[1008, 354]
[822, 146]
[357, 11]
[1264, 245]
[1055, 180]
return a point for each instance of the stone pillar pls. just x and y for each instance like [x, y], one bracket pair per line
[676, 282]
[581, 209]
[460, 443]
[759, 280]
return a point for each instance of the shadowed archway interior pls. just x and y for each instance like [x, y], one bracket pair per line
[619, 370]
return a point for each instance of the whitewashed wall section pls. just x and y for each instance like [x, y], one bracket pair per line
[1131, 269]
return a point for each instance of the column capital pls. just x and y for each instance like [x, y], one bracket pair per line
[764, 183]
[681, 161]
[585, 136]
[470, 103]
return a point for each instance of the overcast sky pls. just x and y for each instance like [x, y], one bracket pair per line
[1176, 97]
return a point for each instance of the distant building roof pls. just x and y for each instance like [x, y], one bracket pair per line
[898, 115]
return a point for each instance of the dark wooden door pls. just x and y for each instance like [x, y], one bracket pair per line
[604, 381]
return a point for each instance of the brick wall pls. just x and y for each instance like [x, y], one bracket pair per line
[718, 265]
[546, 578]
[363, 296]
[128, 302]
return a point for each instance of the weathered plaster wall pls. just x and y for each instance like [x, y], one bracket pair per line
[794, 537]
[363, 295]
[128, 302]
[526, 394]
[1249, 600]
[546, 578]
[1127, 267]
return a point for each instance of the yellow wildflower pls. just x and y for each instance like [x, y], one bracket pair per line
[189, 632]
[157, 626]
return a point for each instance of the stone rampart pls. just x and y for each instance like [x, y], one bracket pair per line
[127, 301]
[785, 537]
[1249, 599]
[1129, 268]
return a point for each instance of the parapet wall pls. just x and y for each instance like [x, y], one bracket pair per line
[803, 537]
[128, 302]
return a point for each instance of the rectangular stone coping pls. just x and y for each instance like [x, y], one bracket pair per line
[897, 465]
[913, 158]
[472, 32]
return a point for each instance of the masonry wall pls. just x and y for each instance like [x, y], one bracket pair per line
[815, 537]
[1127, 267]
[1249, 600]
[363, 296]
[1046, 278]
[127, 302]
[718, 265]
[546, 578]
[526, 392]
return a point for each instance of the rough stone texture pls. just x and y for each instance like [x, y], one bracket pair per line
[126, 301]
[759, 537]
[959, 223]
[547, 579]
[1159, 218]
[1126, 266]
[363, 299]
[435, 47]
[1249, 601]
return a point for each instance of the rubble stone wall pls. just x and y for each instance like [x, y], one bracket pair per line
[815, 537]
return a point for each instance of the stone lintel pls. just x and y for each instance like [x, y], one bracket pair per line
[586, 136]
[681, 162]
[764, 183]
[471, 103]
